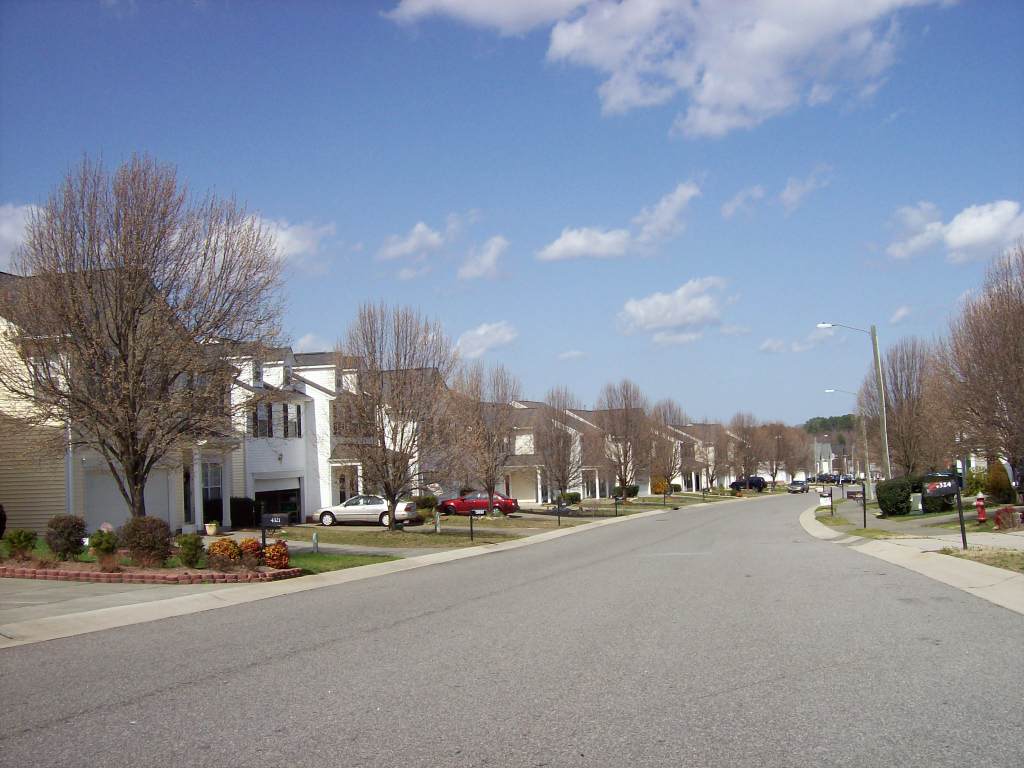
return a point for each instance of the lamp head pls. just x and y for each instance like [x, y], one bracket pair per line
[830, 391]
[825, 325]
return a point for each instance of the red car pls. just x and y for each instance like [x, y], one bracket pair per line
[476, 504]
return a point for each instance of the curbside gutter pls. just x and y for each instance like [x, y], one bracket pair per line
[53, 627]
[996, 585]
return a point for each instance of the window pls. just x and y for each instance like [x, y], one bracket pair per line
[292, 420]
[212, 480]
[263, 420]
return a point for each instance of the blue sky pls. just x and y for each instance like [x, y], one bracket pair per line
[580, 190]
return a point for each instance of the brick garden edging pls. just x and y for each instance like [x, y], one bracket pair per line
[55, 574]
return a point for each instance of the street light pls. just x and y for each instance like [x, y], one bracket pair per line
[880, 381]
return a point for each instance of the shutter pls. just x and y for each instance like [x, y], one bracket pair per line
[298, 420]
[284, 420]
[270, 419]
[255, 416]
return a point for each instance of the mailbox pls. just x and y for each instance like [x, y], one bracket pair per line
[276, 520]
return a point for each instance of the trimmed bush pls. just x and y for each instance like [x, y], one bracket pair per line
[276, 555]
[190, 549]
[894, 496]
[975, 482]
[223, 555]
[21, 543]
[659, 486]
[676, 488]
[64, 534]
[937, 504]
[570, 498]
[104, 545]
[148, 541]
[425, 502]
[632, 491]
[997, 484]
[252, 553]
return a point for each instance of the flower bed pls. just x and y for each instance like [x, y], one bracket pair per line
[144, 576]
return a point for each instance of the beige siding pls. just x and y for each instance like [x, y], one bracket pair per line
[31, 481]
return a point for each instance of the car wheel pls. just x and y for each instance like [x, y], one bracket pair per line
[447, 510]
[384, 519]
[326, 519]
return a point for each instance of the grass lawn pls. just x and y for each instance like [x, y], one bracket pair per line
[829, 520]
[874, 533]
[422, 536]
[321, 562]
[924, 516]
[971, 525]
[462, 521]
[1010, 559]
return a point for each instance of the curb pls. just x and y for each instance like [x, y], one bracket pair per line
[98, 577]
[68, 625]
[996, 585]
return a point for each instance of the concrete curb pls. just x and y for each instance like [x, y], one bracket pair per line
[996, 585]
[51, 628]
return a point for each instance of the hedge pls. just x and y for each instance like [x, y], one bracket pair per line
[894, 496]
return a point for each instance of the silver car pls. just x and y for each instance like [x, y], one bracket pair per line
[367, 509]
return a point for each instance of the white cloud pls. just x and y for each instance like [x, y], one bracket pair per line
[692, 306]
[680, 337]
[509, 17]
[741, 201]
[772, 345]
[737, 64]
[420, 240]
[797, 189]
[487, 336]
[570, 354]
[901, 314]
[663, 220]
[734, 330]
[484, 262]
[815, 338]
[587, 242]
[412, 273]
[299, 243]
[13, 221]
[978, 231]
[311, 342]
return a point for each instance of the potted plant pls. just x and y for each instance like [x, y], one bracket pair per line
[212, 528]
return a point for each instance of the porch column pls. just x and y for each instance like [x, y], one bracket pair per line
[597, 484]
[693, 481]
[226, 476]
[359, 479]
[197, 487]
[538, 487]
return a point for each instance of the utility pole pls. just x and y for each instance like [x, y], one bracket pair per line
[880, 381]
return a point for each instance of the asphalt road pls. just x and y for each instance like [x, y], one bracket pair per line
[717, 636]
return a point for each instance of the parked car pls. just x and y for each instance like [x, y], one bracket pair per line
[753, 482]
[367, 509]
[797, 486]
[845, 479]
[476, 503]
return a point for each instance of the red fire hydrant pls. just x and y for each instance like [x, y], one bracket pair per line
[979, 505]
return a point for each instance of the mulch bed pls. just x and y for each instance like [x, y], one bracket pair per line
[88, 572]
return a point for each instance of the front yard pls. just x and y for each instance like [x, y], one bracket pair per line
[1010, 559]
[410, 538]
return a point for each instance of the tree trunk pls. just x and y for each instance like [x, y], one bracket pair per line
[392, 510]
[137, 490]
[491, 511]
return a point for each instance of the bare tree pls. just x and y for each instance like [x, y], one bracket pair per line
[485, 417]
[770, 436]
[711, 455]
[129, 296]
[795, 451]
[748, 449]
[667, 452]
[985, 361]
[397, 420]
[920, 437]
[559, 447]
[621, 412]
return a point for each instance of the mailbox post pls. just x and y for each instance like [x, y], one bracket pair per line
[945, 486]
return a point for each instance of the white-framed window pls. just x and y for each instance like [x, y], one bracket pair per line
[292, 420]
[263, 420]
[213, 479]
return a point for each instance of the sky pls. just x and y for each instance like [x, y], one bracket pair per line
[581, 190]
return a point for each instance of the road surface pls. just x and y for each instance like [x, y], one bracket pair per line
[714, 636]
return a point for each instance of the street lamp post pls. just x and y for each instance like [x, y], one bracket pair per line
[880, 381]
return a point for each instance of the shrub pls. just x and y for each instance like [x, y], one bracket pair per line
[975, 483]
[21, 543]
[190, 549]
[223, 555]
[632, 491]
[147, 539]
[276, 555]
[425, 502]
[104, 543]
[243, 512]
[997, 485]
[64, 534]
[252, 553]
[570, 498]
[894, 496]
[676, 488]
[1006, 518]
[659, 486]
[937, 504]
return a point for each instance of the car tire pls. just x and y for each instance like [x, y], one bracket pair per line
[447, 510]
[327, 519]
[384, 519]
